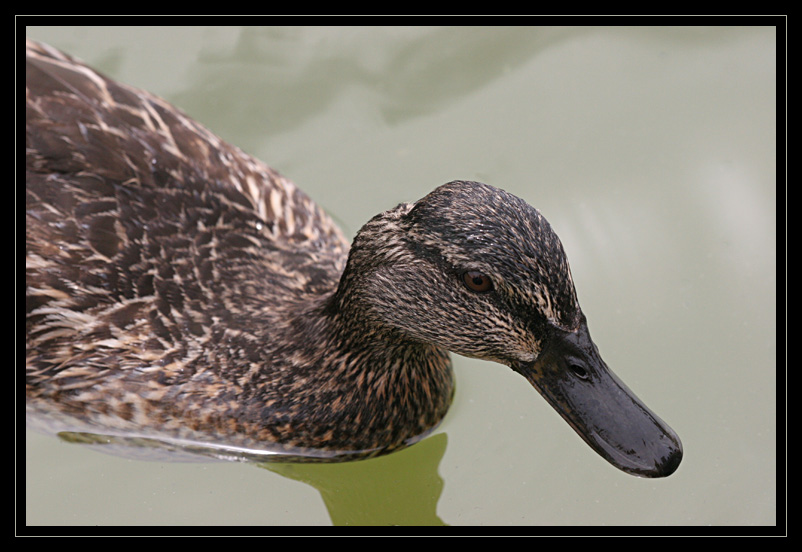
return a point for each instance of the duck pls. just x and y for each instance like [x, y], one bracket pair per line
[176, 286]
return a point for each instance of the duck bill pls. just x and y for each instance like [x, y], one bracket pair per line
[573, 378]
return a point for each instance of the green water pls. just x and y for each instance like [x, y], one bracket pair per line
[652, 153]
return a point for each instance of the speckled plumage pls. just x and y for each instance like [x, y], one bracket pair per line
[178, 287]
[176, 283]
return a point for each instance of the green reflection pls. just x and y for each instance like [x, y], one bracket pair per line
[401, 488]
[398, 489]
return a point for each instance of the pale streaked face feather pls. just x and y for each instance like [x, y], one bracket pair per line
[419, 252]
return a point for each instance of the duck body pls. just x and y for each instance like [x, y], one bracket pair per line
[175, 282]
[177, 286]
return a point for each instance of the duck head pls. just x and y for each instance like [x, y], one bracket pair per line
[479, 272]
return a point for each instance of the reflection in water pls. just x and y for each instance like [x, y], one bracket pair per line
[406, 78]
[396, 489]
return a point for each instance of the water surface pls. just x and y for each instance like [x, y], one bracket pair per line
[652, 153]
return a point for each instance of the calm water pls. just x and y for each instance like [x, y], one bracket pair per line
[652, 153]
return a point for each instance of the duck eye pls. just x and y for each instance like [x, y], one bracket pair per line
[476, 281]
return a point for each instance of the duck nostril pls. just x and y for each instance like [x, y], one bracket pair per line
[579, 371]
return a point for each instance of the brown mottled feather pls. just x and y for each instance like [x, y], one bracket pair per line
[176, 283]
[178, 287]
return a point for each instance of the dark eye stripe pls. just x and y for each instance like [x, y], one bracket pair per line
[477, 281]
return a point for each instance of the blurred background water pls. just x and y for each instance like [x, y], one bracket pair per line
[651, 150]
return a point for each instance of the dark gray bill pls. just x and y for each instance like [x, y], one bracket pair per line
[573, 378]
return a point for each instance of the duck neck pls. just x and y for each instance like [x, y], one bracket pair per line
[374, 390]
